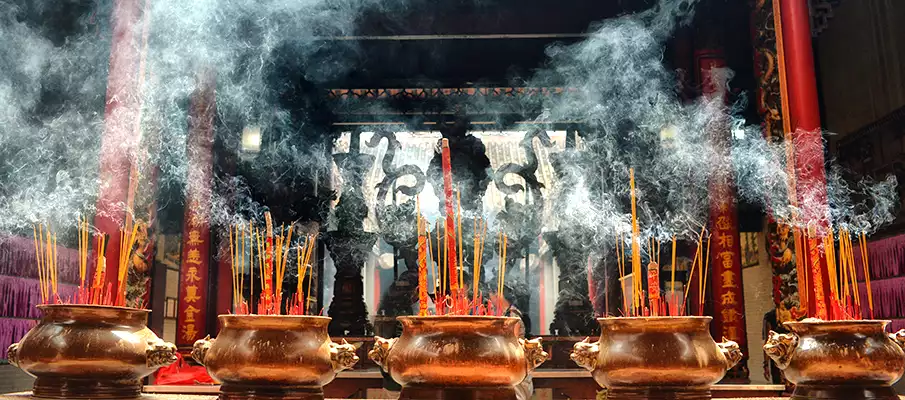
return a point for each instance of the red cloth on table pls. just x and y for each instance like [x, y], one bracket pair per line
[182, 373]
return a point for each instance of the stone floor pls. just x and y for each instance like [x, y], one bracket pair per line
[21, 396]
[13, 379]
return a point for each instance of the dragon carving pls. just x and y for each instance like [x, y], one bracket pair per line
[526, 171]
[392, 172]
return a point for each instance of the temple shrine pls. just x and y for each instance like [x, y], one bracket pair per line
[374, 199]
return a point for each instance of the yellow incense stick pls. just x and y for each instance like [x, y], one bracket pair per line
[636, 249]
[672, 279]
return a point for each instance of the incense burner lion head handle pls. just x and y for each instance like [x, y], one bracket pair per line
[731, 351]
[780, 346]
[12, 354]
[899, 338]
[342, 355]
[585, 353]
[534, 352]
[381, 351]
[201, 347]
[160, 353]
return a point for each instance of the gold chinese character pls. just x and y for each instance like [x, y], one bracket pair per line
[728, 299]
[192, 275]
[190, 312]
[193, 257]
[728, 278]
[724, 240]
[195, 237]
[191, 294]
[729, 316]
[189, 332]
[723, 205]
[730, 332]
[727, 259]
[722, 223]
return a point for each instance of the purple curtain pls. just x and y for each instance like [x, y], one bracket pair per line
[888, 296]
[11, 330]
[18, 297]
[886, 258]
[17, 258]
[895, 325]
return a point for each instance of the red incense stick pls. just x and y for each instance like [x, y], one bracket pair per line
[450, 224]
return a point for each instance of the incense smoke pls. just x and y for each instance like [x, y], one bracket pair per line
[272, 61]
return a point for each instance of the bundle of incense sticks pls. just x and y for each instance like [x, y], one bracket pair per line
[443, 301]
[422, 261]
[248, 249]
[303, 263]
[650, 303]
[480, 231]
[845, 298]
[46, 254]
[501, 283]
[46, 257]
[450, 236]
[127, 244]
[267, 305]
[637, 292]
[83, 294]
[97, 294]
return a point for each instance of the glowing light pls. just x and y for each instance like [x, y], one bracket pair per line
[251, 139]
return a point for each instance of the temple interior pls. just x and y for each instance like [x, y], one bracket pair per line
[564, 164]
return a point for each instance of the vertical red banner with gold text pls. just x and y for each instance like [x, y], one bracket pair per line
[193, 273]
[725, 249]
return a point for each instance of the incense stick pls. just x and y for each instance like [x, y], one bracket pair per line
[461, 254]
[672, 279]
[636, 249]
[865, 264]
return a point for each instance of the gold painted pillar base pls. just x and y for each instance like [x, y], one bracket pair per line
[658, 393]
[434, 393]
[263, 392]
[830, 392]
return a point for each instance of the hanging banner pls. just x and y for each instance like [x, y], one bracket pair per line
[193, 272]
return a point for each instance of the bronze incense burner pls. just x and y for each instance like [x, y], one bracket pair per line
[656, 357]
[90, 352]
[273, 356]
[847, 360]
[458, 357]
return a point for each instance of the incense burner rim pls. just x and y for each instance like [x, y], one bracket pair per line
[254, 320]
[455, 317]
[860, 322]
[102, 314]
[658, 318]
[679, 323]
[42, 307]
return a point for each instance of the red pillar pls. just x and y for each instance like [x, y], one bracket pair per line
[810, 175]
[121, 127]
[196, 246]
[724, 247]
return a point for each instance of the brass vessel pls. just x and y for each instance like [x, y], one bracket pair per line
[839, 359]
[458, 357]
[656, 357]
[273, 356]
[90, 352]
